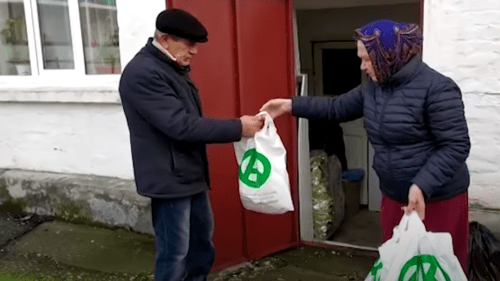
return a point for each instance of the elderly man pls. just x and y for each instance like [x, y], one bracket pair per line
[168, 134]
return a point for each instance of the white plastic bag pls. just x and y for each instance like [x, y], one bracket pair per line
[263, 178]
[417, 255]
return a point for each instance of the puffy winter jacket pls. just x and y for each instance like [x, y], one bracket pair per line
[416, 124]
[167, 131]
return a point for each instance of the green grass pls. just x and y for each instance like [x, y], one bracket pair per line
[24, 278]
[34, 267]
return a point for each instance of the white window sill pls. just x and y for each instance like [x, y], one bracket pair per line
[81, 89]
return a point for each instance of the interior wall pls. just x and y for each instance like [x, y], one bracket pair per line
[339, 24]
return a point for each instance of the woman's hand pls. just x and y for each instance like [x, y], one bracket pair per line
[416, 202]
[276, 107]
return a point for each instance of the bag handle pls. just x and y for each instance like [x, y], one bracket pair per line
[269, 129]
[409, 223]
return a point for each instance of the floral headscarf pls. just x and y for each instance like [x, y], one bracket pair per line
[390, 45]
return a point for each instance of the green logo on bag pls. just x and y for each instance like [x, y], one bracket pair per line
[423, 267]
[375, 271]
[255, 169]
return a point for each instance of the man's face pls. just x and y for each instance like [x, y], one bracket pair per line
[183, 50]
[366, 62]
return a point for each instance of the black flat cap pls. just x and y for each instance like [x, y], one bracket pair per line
[181, 23]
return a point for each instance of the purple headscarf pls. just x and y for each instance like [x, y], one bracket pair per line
[390, 45]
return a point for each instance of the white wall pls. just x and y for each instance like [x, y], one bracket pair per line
[65, 137]
[74, 124]
[462, 41]
[136, 20]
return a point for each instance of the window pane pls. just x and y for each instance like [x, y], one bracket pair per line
[55, 33]
[100, 36]
[14, 53]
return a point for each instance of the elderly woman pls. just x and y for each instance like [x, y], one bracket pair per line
[414, 117]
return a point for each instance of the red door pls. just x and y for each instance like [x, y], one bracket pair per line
[247, 61]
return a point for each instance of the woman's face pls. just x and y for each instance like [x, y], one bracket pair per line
[366, 62]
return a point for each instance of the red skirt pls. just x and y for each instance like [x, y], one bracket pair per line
[450, 215]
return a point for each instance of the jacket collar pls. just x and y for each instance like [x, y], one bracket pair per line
[160, 47]
[405, 74]
[182, 70]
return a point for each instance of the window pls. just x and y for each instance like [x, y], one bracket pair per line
[43, 37]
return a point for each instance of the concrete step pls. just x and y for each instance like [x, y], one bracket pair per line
[488, 218]
[77, 198]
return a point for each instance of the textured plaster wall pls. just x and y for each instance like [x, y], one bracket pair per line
[66, 138]
[462, 41]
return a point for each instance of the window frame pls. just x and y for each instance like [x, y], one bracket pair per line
[58, 85]
[31, 8]
[50, 80]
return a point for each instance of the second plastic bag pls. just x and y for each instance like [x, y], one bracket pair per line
[415, 254]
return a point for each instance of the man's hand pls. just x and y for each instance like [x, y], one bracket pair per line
[276, 107]
[251, 125]
[415, 202]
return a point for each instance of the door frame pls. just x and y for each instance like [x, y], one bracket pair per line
[304, 184]
[318, 47]
[370, 193]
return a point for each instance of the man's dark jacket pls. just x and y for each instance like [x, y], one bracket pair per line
[167, 131]
[416, 124]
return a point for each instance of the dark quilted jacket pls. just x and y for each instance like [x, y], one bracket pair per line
[416, 125]
[167, 131]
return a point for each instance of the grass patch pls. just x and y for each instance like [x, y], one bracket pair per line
[10, 204]
[13, 206]
[34, 267]
[72, 213]
[20, 278]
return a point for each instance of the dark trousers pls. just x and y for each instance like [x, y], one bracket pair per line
[450, 215]
[183, 238]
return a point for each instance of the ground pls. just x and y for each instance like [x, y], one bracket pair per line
[40, 248]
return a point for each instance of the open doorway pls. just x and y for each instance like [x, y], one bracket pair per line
[329, 66]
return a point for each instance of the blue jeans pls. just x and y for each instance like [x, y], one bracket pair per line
[183, 238]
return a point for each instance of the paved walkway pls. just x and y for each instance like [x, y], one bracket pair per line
[38, 248]
[52, 250]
